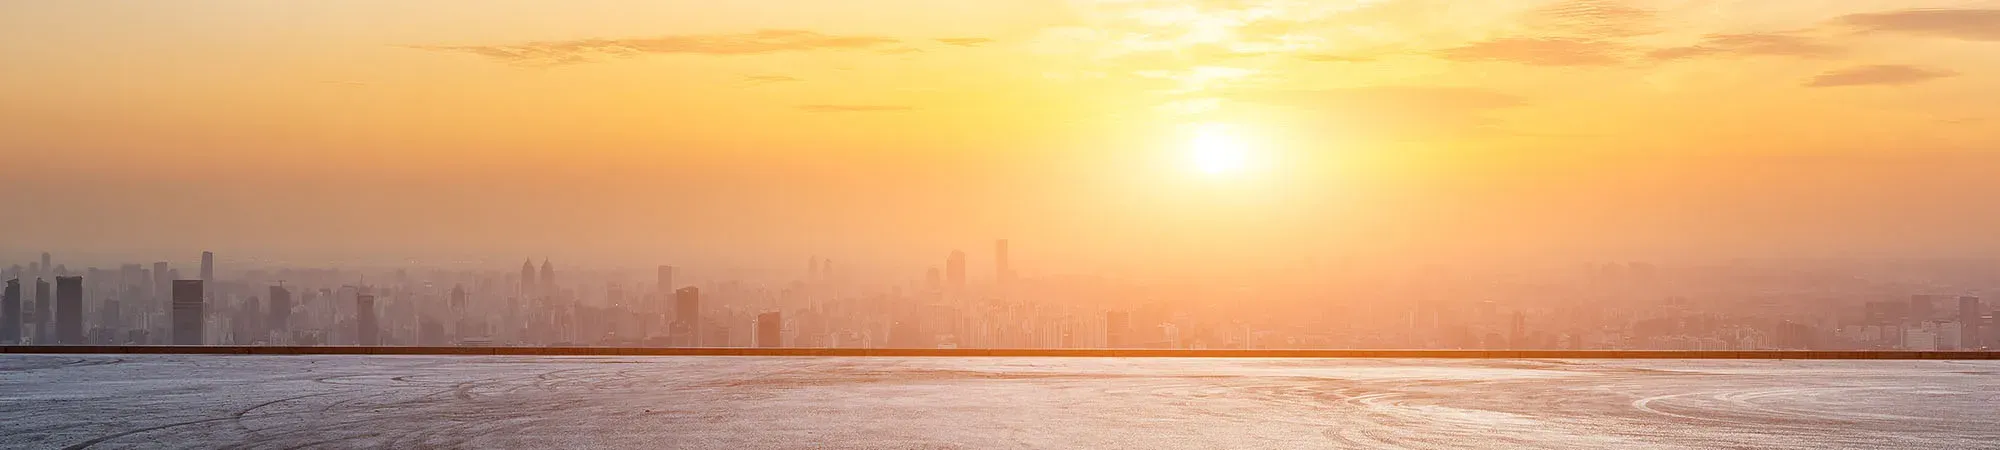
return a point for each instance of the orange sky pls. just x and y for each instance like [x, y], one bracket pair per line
[894, 130]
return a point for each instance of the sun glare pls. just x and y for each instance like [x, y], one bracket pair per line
[1215, 149]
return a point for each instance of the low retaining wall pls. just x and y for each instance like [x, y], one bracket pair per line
[970, 352]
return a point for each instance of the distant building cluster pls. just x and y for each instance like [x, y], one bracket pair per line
[1610, 306]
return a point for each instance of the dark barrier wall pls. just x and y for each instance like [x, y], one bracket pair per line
[711, 351]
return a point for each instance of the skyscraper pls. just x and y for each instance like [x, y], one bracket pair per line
[548, 278]
[364, 320]
[1968, 323]
[770, 330]
[664, 280]
[280, 309]
[687, 314]
[187, 312]
[954, 273]
[528, 278]
[69, 310]
[1921, 308]
[45, 332]
[163, 289]
[10, 313]
[208, 267]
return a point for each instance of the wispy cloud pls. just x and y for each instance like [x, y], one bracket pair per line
[1968, 24]
[899, 50]
[1538, 52]
[544, 53]
[1397, 112]
[1593, 19]
[1750, 44]
[853, 108]
[966, 41]
[768, 79]
[1878, 75]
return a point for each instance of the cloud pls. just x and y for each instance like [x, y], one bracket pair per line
[899, 50]
[853, 108]
[1968, 24]
[545, 53]
[1396, 112]
[1595, 19]
[966, 41]
[767, 79]
[1333, 57]
[1750, 44]
[1538, 52]
[1878, 75]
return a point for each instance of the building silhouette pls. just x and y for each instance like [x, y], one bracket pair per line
[280, 309]
[954, 273]
[10, 313]
[44, 315]
[208, 267]
[548, 279]
[367, 330]
[1117, 328]
[770, 330]
[1968, 323]
[528, 278]
[187, 312]
[69, 310]
[687, 315]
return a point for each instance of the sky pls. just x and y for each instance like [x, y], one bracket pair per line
[888, 132]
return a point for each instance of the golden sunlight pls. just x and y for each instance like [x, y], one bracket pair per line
[1216, 149]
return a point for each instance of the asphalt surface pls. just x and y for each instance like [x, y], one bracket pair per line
[280, 402]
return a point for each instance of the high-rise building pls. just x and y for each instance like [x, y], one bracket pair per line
[528, 278]
[1117, 326]
[69, 310]
[770, 330]
[687, 314]
[44, 315]
[280, 309]
[1922, 308]
[10, 313]
[548, 278]
[46, 263]
[367, 331]
[163, 288]
[954, 273]
[187, 312]
[664, 280]
[1968, 320]
[208, 267]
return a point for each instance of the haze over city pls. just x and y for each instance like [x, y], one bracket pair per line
[885, 133]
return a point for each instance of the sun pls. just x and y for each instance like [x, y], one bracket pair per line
[1216, 149]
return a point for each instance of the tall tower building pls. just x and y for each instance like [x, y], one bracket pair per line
[1921, 309]
[280, 309]
[208, 267]
[69, 310]
[46, 267]
[187, 312]
[367, 331]
[163, 290]
[664, 280]
[10, 313]
[687, 314]
[528, 278]
[954, 273]
[770, 330]
[548, 278]
[1968, 323]
[45, 332]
